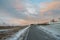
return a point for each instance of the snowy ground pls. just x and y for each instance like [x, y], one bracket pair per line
[52, 30]
[18, 35]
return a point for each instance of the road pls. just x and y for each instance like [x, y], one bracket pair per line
[36, 34]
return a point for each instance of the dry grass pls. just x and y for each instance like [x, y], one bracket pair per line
[12, 30]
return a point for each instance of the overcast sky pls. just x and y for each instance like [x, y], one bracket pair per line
[28, 11]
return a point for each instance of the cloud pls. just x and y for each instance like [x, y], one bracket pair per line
[12, 21]
[31, 10]
[56, 0]
[25, 12]
[49, 7]
[17, 21]
[18, 5]
[4, 13]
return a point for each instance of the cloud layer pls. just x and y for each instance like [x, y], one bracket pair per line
[28, 11]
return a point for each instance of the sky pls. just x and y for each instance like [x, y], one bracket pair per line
[22, 12]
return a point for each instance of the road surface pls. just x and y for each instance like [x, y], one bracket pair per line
[36, 34]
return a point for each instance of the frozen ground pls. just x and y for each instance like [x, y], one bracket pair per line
[52, 29]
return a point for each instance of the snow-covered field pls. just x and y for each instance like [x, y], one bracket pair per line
[53, 30]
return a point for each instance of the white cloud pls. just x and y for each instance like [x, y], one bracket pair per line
[12, 21]
[26, 10]
[31, 10]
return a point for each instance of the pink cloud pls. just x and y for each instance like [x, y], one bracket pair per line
[49, 6]
[18, 5]
[15, 21]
